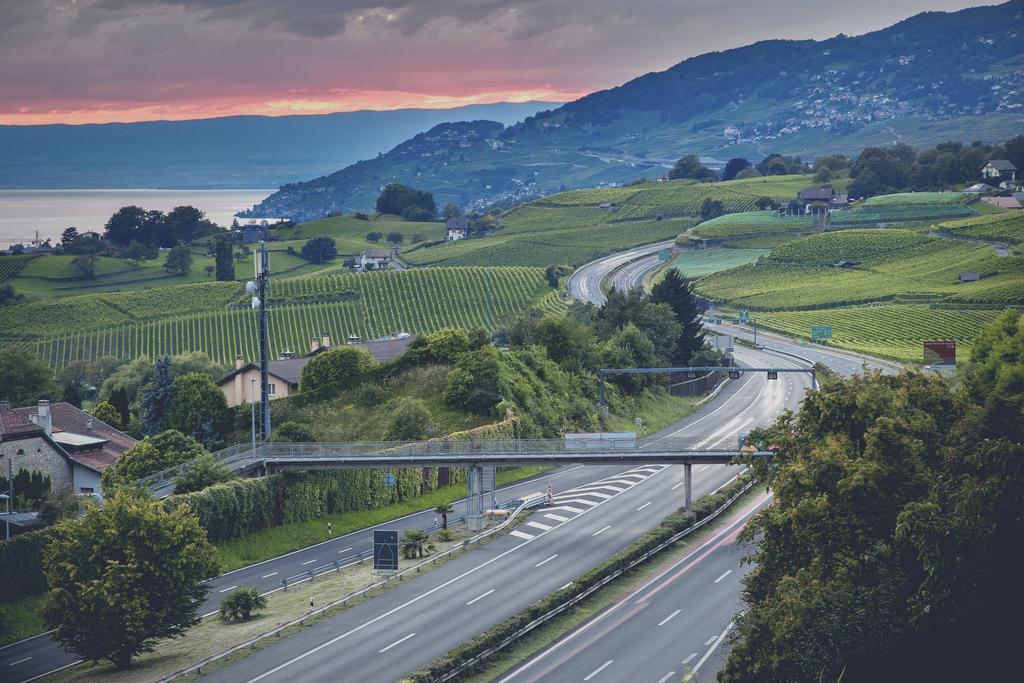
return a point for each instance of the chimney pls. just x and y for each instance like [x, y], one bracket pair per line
[91, 425]
[325, 340]
[239, 362]
[43, 416]
[314, 345]
[285, 354]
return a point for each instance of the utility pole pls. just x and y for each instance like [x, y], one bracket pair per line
[259, 287]
[252, 405]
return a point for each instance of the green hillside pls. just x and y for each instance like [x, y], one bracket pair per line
[216, 318]
[891, 264]
[1002, 227]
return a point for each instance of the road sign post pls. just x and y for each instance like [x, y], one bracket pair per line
[385, 551]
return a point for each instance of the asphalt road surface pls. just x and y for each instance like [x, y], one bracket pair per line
[388, 637]
[635, 638]
[585, 283]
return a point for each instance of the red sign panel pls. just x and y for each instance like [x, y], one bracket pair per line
[940, 353]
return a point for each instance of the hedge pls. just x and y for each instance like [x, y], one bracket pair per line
[243, 506]
[669, 526]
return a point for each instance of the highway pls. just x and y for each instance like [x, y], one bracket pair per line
[585, 283]
[635, 638]
[391, 635]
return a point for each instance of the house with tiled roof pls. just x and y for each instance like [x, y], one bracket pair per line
[60, 441]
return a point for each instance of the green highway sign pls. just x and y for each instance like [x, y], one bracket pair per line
[821, 332]
[744, 315]
[663, 255]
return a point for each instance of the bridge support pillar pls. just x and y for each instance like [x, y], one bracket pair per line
[480, 481]
[687, 486]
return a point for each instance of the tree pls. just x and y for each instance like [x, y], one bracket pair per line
[151, 455]
[59, 504]
[135, 252]
[292, 432]
[711, 208]
[72, 392]
[124, 576]
[332, 367]
[23, 377]
[224, 258]
[209, 270]
[201, 473]
[417, 214]
[676, 291]
[129, 223]
[155, 395]
[444, 509]
[373, 236]
[748, 173]
[416, 543]
[240, 604]
[689, 166]
[473, 384]
[69, 235]
[197, 407]
[320, 249]
[450, 211]
[396, 238]
[823, 175]
[106, 412]
[8, 297]
[395, 198]
[1014, 148]
[734, 166]
[184, 224]
[119, 400]
[84, 266]
[565, 339]
[407, 419]
[179, 260]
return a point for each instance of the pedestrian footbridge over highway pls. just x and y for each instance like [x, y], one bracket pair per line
[481, 458]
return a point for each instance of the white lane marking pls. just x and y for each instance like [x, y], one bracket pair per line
[394, 610]
[707, 654]
[20, 661]
[620, 481]
[710, 640]
[577, 500]
[567, 508]
[643, 506]
[267, 576]
[519, 534]
[310, 562]
[678, 485]
[344, 551]
[703, 467]
[667, 676]
[602, 496]
[669, 618]
[479, 597]
[543, 562]
[597, 487]
[397, 642]
[229, 588]
[538, 525]
[601, 530]
[689, 659]
[565, 586]
[557, 518]
[723, 576]
[599, 669]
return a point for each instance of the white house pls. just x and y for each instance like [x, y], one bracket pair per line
[375, 259]
[458, 228]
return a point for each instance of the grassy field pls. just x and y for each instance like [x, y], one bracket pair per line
[886, 213]
[350, 233]
[215, 318]
[891, 265]
[697, 264]
[890, 331]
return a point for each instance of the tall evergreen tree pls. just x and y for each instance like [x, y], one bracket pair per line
[155, 396]
[675, 290]
[225, 260]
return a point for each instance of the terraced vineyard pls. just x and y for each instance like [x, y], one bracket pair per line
[368, 304]
[912, 198]
[544, 217]
[892, 265]
[12, 265]
[1000, 227]
[884, 213]
[891, 331]
[753, 224]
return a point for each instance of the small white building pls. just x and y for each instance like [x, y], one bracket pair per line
[458, 228]
[375, 259]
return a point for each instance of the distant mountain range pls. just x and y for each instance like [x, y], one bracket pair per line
[228, 152]
[933, 77]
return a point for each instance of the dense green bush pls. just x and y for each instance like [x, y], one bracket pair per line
[21, 564]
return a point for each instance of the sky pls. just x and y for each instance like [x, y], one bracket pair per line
[97, 61]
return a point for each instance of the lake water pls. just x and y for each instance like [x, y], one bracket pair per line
[23, 212]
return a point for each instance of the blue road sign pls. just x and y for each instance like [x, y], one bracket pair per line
[389, 479]
[385, 550]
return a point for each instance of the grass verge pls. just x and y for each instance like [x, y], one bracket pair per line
[656, 409]
[21, 619]
[263, 545]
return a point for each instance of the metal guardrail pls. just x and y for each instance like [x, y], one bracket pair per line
[197, 668]
[590, 591]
